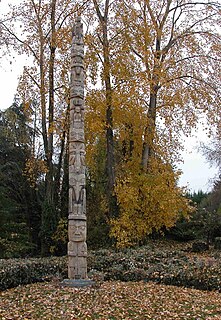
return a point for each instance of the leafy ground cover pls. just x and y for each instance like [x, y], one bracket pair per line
[14, 272]
[112, 300]
[160, 261]
[164, 262]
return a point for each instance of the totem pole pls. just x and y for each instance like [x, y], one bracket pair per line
[77, 248]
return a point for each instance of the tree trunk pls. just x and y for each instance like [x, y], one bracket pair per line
[49, 177]
[49, 214]
[61, 160]
[110, 158]
[109, 118]
[151, 114]
[149, 132]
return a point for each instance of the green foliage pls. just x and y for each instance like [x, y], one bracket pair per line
[97, 208]
[217, 243]
[205, 222]
[161, 262]
[14, 272]
[15, 243]
[199, 246]
[184, 230]
[48, 227]
[209, 224]
[197, 197]
[19, 216]
[14, 230]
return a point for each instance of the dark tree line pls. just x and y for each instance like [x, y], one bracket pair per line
[22, 227]
[19, 214]
[25, 228]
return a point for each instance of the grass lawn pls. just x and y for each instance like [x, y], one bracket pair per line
[111, 300]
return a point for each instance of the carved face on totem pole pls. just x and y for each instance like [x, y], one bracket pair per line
[76, 102]
[77, 231]
[77, 91]
[76, 135]
[77, 59]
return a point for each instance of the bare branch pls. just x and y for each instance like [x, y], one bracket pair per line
[152, 15]
[101, 18]
[185, 34]
[32, 78]
[190, 77]
[106, 9]
[19, 40]
[137, 53]
[165, 15]
[209, 57]
[208, 3]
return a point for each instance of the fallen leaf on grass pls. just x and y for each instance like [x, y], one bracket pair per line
[113, 300]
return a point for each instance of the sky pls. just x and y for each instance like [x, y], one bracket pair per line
[197, 173]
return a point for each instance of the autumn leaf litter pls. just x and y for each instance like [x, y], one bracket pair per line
[111, 300]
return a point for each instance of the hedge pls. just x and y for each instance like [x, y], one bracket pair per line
[15, 272]
[168, 266]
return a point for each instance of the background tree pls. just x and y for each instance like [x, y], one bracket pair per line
[19, 206]
[98, 41]
[45, 35]
[205, 222]
[164, 70]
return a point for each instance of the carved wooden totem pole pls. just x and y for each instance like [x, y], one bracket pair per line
[77, 248]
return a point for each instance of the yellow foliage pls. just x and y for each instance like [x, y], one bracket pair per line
[61, 234]
[34, 169]
[94, 123]
[164, 69]
[148, 202]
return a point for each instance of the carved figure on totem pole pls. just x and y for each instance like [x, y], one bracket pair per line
[77, 33]
[77, 117]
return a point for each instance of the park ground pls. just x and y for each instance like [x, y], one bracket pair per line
[111, 300]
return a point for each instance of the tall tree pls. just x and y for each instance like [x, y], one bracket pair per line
[164, 71]
[46, 37]
[102, 13]
[177, 45]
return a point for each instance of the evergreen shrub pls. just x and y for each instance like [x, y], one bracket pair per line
[158, 263]
[15, 272]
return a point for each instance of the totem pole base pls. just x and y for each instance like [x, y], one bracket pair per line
[77, 283]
